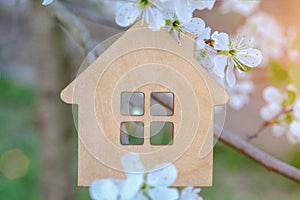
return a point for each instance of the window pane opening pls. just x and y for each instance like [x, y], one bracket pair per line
[132, 133]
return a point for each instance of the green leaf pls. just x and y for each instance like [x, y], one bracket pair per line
[296, 44]
[278, 73]
[291, 98]
[294, 74]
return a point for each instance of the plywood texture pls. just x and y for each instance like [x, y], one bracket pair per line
[146, 61]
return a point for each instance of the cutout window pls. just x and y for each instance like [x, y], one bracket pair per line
[132, 103]
[132, 133]
[161, 133]
[162, 104]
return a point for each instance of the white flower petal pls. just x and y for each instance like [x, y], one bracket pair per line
[128, 14]
[184, 11]
[132, 164]
[237, 102]
[273, 95]
[196, 26]
[162, 193]
[46, 2]
[297, 109]
[103, 190]
[291, 138]
[230, 76]
[202, 4]
[140, 197]
[295, 129]
[278, 130]
[162, 175]
[166, 4]
[205, 34]
[270, 111]
[220, 62]
[190, 193]
[131, 186]
[245, 87]
[221, 41]
[154, 19]
[250, 57]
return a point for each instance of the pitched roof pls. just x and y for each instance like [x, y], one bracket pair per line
[140, 37]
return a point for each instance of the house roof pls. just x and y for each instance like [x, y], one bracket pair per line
[140, 37]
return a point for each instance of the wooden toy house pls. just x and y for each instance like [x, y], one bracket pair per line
[146, 82]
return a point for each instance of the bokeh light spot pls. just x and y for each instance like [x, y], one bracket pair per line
[14, 164]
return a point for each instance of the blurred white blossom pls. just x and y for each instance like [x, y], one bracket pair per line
[47, 2]
[293, 50]
[274, 99]
[282, 112]
[243, 7]
[190, 193]
[141, 186]
[240, 93]
[294, 128]
[265, 34]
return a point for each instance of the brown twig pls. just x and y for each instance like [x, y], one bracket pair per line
[268, 123]
[261, 157]
[265, 125]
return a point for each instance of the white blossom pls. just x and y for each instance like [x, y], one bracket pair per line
[295, 125]
[150, 11]
[138, 185]
[274, 98]
[190, 193]
[243, 7]
[240, 93]
[234, 55]
[195, 26]
[184, 8]
[279, 130]
[104, 189]
[205, 53]
[282, 112]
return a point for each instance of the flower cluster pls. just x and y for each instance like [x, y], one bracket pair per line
[282, 112]
[222, 57]
[141, 186]
[159, 13]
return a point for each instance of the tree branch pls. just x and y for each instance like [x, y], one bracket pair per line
[261, 157]
[74, 26]
[79, 32]
[93, 16]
